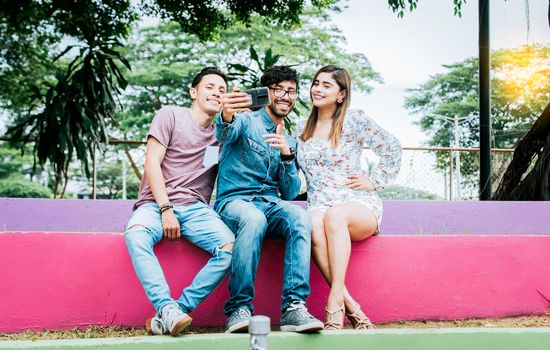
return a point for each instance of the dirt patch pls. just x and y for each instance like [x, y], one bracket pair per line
[509, 322]
[114, 332]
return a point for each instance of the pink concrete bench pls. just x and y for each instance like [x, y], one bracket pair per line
[64, 264]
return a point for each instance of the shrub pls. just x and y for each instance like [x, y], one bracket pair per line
[19, 187]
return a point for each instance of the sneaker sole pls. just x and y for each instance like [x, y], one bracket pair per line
[313, 327]
[181, 326]
[148, 327]
[240, 327]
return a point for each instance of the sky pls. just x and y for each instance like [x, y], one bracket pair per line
[406, 51]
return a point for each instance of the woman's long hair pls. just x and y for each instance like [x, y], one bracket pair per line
[343, 79]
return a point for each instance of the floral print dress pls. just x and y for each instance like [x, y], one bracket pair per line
[326, 168]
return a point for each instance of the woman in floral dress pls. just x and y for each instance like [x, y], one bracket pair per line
[343, 201]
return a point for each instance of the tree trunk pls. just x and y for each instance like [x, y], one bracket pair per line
[535, 185]
[133, 164]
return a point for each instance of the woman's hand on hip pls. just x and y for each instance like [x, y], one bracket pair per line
[360, 183]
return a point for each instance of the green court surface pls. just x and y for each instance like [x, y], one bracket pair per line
[402, 339]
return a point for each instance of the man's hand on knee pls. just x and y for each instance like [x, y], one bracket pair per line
[170, 225]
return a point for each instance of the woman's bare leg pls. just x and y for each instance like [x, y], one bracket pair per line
[344, 223]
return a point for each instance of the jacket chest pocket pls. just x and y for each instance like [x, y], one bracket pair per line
[256, 147]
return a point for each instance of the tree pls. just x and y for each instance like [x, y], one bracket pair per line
[12, 162]
[520, 91]
[15, 171]
[522, 180]
[401, 6]
[209, 17]
[66, 116]
[20, 187]
[164, 61]
[81, 101]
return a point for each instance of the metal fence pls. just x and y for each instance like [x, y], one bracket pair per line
[448, 173]
[426, 172]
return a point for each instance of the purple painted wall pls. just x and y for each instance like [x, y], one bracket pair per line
[400, 217]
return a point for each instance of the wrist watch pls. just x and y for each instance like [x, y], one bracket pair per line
[289, 157]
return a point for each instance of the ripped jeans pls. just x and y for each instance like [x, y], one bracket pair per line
[201, 226]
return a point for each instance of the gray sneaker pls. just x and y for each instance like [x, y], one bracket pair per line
[173, 320]
[154, 326]
[238, 321]
[296, 318]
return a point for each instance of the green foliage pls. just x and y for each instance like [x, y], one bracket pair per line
[401, 6]
[20, 187]
[76, 110]
[109, 177]
[404, 192]
[67, 115]
[65, 109]
[315, 44]
[164, 60]
[31, 33]
[14, 170]
[109, 182]
[520, 91]
[14, 163]
[249, 76]
[25, 54]
[207, 17]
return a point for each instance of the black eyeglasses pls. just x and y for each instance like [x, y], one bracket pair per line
[279, 92]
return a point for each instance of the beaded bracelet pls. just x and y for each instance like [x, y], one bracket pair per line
[165, 207]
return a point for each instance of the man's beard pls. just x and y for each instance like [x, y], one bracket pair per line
[272, 107]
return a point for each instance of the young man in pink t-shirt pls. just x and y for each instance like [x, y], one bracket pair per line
[180, 170]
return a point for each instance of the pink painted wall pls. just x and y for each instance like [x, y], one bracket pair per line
[63, 280]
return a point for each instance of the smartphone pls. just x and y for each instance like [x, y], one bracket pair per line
[260, 97]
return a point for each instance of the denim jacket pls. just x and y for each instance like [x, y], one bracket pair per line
[248, 166]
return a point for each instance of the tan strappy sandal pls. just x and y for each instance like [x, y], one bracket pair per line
[359, 320]
[332, 324]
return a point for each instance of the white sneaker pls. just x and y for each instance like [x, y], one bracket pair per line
[238, 321]
[154, 326]
[173, 320]
[297, 318]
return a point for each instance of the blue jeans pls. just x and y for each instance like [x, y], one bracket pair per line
[252, 221]
[201, 226]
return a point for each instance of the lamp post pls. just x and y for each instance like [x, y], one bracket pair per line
[484, 102]
[456, 122]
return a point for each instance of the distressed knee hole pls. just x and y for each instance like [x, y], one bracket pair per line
[136, 228]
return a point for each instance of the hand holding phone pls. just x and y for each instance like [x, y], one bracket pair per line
[235, 102]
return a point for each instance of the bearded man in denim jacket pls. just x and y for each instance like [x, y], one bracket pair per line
[257, 175]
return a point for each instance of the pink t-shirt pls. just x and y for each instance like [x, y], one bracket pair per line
[187, 180]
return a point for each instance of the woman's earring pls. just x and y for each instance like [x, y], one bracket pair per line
[339, 100]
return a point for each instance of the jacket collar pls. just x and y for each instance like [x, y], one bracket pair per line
[268, 123]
